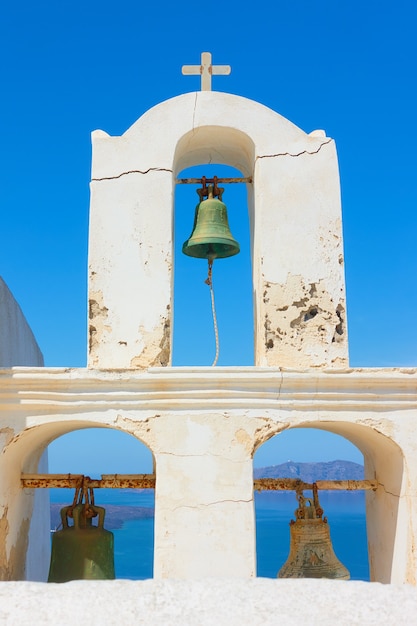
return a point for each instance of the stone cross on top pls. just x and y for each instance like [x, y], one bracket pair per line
[206, 69]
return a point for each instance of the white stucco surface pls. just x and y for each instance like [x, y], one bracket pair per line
[208, 602]
[17, 343]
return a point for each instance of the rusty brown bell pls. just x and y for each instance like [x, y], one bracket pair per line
[311, 551]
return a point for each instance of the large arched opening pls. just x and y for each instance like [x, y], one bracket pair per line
[194, 340]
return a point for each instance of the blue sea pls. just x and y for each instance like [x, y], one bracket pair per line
[345, 512]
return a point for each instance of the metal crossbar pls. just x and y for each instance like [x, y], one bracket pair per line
[147, 481]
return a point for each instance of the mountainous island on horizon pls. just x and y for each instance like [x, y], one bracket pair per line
[310, 472]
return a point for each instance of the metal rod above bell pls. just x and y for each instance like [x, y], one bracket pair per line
[211, 237]
[311, 551]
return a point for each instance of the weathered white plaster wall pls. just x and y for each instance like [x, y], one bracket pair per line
[203, 426]
[19, 557]
[17, 344]
[294, 206]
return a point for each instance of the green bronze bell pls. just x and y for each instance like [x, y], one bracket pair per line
[82, 551]
[211, 237]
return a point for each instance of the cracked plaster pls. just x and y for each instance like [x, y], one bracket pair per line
[296, 154]
[116, 176]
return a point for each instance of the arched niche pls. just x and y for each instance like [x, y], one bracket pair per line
[385, 509]
[215, 144]
[25, 540]
[295, 213]
[193, 328]
[93, 451]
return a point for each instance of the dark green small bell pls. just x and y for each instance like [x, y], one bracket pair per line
[82, 551]
[211, 237]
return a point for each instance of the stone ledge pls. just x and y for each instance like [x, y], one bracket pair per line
[209, 388]
[208, 602]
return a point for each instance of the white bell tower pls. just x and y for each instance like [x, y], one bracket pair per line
[296, 229]
[204, 424]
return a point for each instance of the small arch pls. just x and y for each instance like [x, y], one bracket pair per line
[129, 513]
[27, 453]
[89, 449]
[383, 461]
[215, 144]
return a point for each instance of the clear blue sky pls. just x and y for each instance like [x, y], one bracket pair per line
[68, 68]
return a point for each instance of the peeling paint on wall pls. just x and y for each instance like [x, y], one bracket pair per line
[6, 436]
[243, 438]
[18, 552]
[269, 429]
[139, 429]
[156, 352]
[381, 425]
[303, 325]
[4, 531]
[12, 566]
[97, 316]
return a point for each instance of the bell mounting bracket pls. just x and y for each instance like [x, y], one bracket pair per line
[204, 192]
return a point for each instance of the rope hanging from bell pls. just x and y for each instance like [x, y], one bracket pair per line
[209, 282]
